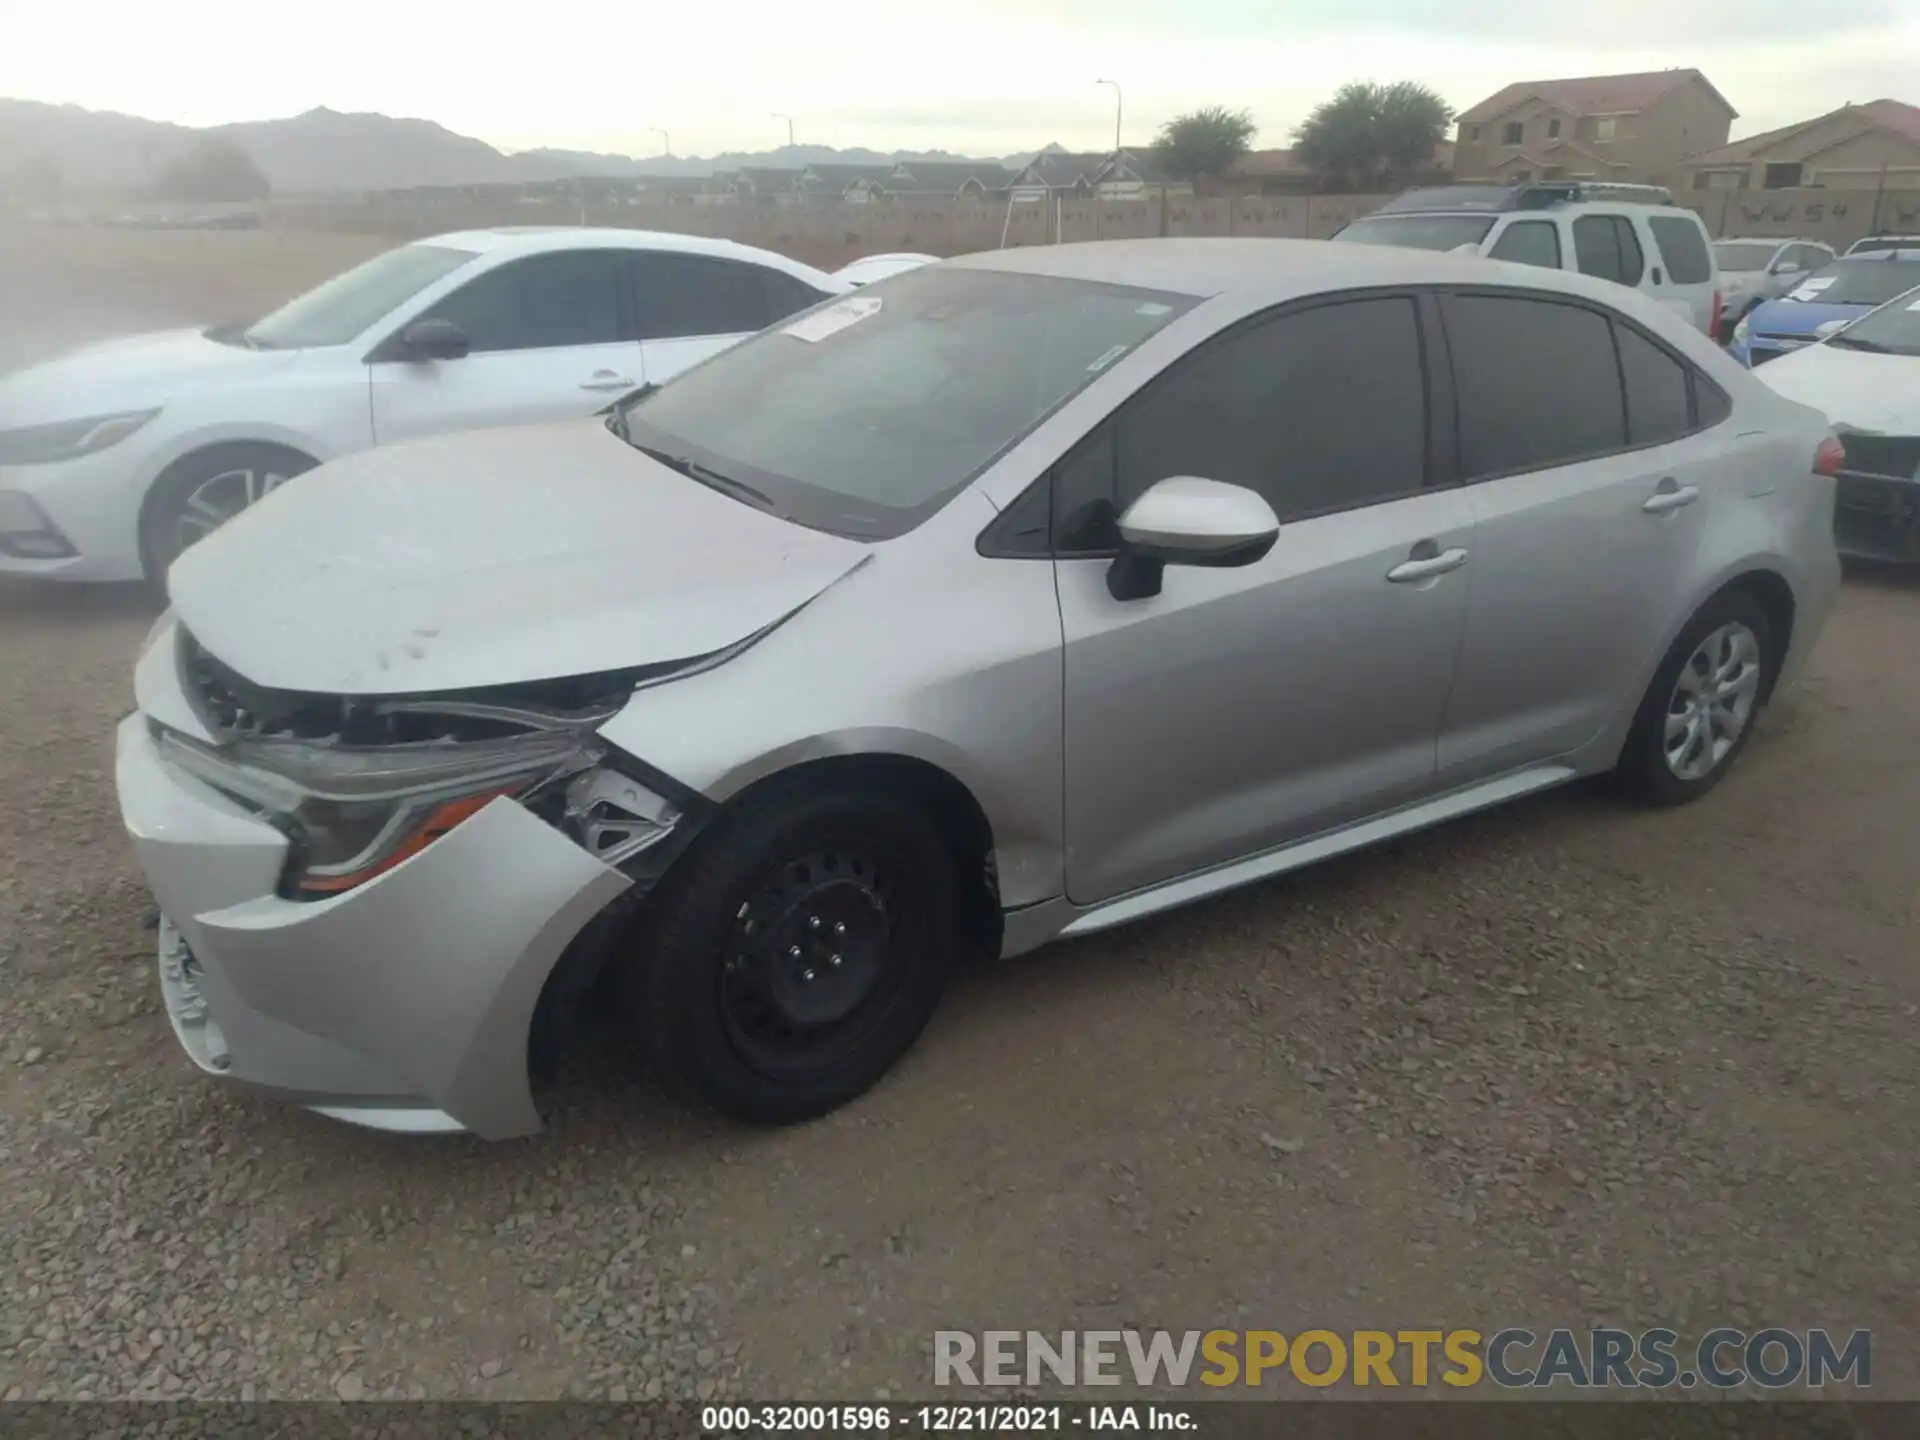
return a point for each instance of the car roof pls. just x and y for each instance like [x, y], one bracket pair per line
[1273, 270]
[539, 239]
[1770, 240]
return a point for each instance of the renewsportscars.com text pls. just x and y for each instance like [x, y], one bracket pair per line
[1511, 1358]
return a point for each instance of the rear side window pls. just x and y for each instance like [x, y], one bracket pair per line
[570, 297]
[786, 294]
[1529, 242]
[1535, 381]
[681, 295]
[1605, 246]
[1683, 245]
[1710, 402]
[1657, 406]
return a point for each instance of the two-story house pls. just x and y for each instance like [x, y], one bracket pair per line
[1631, 128]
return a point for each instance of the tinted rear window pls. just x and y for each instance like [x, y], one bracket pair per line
[1536, 383]
[1683, 245]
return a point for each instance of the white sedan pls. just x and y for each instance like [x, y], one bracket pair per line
[116, 457]
[1866, 377]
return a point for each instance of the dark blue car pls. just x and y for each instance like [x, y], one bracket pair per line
[1843, 291]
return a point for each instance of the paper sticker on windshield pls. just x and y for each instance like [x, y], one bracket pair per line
[1814, 287]
[834, 319]
[1154, 309]
[1107, 359]
[1915, 305]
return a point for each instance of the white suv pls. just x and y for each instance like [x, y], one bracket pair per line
[1631, 234]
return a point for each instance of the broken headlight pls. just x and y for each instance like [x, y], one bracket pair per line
[353, 814]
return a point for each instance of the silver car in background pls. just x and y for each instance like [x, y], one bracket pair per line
[1758, 270]
[1009, 598]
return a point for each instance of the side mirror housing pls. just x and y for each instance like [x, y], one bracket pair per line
[434, 340]
[1185, 520]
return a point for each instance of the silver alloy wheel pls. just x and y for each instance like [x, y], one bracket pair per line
[1712, 701]
[217, 499]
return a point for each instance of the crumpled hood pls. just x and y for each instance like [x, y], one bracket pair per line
[134, 372]
[1799, 317]
[492, 558]
[1879, 393]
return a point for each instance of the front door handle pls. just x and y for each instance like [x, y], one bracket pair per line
[1421, 566]
[1670, 496]
[607, 380]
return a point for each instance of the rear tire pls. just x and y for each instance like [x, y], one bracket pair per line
[797, 951]
[198, 493]
[1701, 706]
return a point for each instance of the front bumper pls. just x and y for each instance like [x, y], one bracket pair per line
[90, 506]
[406, 1003]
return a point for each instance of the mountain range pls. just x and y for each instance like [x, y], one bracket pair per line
[326, 150]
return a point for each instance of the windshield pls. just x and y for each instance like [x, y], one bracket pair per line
[1418, 232]
[1859, 282]
[343, 308]
[1744, 255]
[1893, 329]
[867, 414]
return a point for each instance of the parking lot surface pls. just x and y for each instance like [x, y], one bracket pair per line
[1564, 1064]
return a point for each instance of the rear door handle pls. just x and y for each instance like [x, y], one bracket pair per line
[1670, 497]
[1425, 567]
[607, 380]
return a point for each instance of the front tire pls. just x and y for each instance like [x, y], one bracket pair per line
[1700, 709]
[797, 951]
[200, 492]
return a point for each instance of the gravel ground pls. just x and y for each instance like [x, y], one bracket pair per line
[1563, 1064]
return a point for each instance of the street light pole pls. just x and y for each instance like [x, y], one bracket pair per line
[1116, 111]
[666, 142]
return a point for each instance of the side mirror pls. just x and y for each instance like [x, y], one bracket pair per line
[434, 340]
[1185, 520]
[1787, 267]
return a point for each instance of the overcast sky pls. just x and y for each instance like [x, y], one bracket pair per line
[977, 76]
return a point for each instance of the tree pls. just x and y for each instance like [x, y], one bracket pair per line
[1205, 142]
[1368, 135]
[214, 169]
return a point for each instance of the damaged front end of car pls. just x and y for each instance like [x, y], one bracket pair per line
[360, 785]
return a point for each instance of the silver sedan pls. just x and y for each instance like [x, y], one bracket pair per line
[1007, 598]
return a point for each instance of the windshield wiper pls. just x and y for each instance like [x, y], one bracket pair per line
[1854, 342]
[712, 479]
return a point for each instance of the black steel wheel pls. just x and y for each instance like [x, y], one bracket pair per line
[797, 950]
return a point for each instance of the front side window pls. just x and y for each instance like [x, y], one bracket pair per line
[1535, 381]
[678, 295]
[1606, 247]
[1418, 232]
[1529, 242]
[1683, 245]
[1317, 410]
[866, 416]
[347, 306]
[542, 302]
